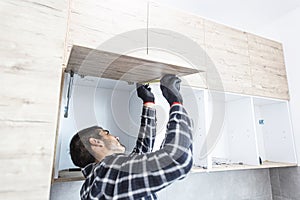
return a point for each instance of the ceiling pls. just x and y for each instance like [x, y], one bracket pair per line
[249, 16]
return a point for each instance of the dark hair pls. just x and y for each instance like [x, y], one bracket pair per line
[80, 148]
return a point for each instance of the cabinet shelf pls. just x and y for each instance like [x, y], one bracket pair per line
[67, 176]
[231, 167]
[93, 62]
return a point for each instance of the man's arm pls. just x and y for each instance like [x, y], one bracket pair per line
[147, 132]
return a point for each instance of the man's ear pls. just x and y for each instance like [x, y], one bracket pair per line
[96, 142]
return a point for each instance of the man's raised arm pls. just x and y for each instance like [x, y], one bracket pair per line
[147, 131]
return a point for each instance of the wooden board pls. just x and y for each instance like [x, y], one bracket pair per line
[66, 176]
[98, 63]
[231, 167]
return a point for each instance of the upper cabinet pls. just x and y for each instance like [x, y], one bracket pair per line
[226, 59]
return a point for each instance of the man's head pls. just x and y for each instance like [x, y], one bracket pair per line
[92, 145]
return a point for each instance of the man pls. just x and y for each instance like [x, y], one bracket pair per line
[110, 174]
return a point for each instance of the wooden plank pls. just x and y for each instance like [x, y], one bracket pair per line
[67, 176]
[232, 167]
[89, 62]
[267, 68]
[55, 159]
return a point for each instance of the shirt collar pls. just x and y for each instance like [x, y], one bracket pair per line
[88, 169]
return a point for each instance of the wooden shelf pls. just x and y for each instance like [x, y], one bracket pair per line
[67, 176]
[93, 62]
[231, 167]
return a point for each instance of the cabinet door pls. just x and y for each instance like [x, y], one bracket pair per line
[267, 68]
[176, 37]
[228, 64]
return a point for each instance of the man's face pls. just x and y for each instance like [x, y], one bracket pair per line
[111, 142]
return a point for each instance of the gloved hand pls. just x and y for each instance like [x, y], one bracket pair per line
[170, 86]
[144, 92]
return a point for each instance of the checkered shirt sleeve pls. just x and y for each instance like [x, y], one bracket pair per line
[147, 132]
[141, 174]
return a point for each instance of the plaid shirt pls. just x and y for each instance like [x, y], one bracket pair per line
[143, 172]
